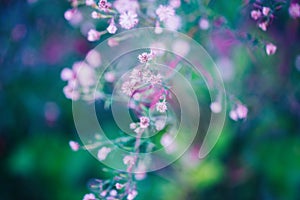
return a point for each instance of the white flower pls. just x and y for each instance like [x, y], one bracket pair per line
[255, 14]
[132, 125]
[161, 107]
[112, 29]
[128, 88]
[126, 5]
[144, 122]
[89, 2]
[132, 194]
[145, 57]
[266, 11]
[271, 49]
[93, 35]
[204, 24]
[128, 160]
[164, 12]
[90, 196]
[103, 152]
[128, 20]
[216, 107]
[294, 10]
[74, 145]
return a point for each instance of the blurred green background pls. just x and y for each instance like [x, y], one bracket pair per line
[255, 159]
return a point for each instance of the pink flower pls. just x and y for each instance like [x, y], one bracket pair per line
[165, 12]
[144, 122]
[103, 152]
[128, 88]
[69, 14]
[89, 2]
[240, 112]
[132, 194]
[266, 11]
[71, 93]
[161, 107]
[126, 5]
[128, 20]
[67, 74]
[74, 145]
[144, 57]
[173, 23]
[104, 5]
[175, 3]
[215, 107]
[128, 160]
[119, 186]
[263, 25]
[95, 15]
[204, 24]
[294, 10]
[112, 29]
[255, 14]
[112, 42]
[233, 115]
[109, 77]
[93, 35]
[89, 197]
[132, 125]
[271, 49]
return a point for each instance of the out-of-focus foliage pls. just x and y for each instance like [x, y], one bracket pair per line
[258, 158]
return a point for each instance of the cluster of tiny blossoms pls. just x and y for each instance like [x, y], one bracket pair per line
[145, 86]
[124, 14]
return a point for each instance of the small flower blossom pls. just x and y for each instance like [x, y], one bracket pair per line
[175, 3]
[71, 93]
[103, 152]
[113, 193]
[95, 15]
[165, 12]
[173, 23]
[109, 77]
[104, 5]
[263, 25]
[67, 74]
[132, 194]
[93, 35]
[112, 29]
[119, 186]
[255, 14]
[266, 11]
[128, 20]
[271, 49]
[69, 14]
[204, 24]
[155, 79]
[89, 2]
[294, 10]
[90, 196]
[216, 107]
[144, 57]
[74, 145]
[112, 42]
[240, 112]
[126, 5]
[161, 107]
[144, 122]
[128, 160]
[128, 88]
[132, 125]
